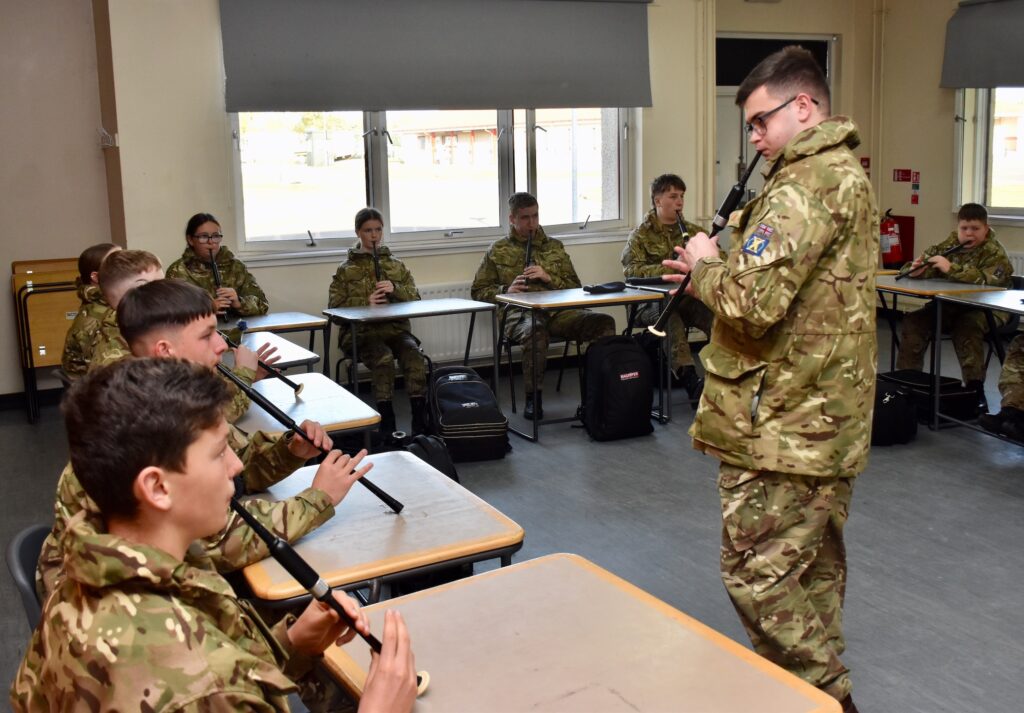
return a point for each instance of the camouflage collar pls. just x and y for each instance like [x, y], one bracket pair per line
[99, 560]
[652, 222]
[356, 251]
[539, 237]
[832, 132]
[91, 294]
[224, 257]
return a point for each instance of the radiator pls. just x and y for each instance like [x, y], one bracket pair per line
[1018, 263]
[444, 338]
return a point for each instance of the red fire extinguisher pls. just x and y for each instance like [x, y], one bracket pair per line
[892, 250]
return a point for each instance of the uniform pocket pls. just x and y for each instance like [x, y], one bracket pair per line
[761, 509]
[727, 405]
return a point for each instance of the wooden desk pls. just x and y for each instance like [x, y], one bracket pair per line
[321, 400]
[561, 634]
[1011, 301]
[352, 317]
[366, 544]
[292, 355]
[282, 322]
[554, 301]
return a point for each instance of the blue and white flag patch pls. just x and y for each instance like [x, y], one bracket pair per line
[758, 240]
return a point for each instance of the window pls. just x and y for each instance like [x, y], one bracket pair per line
[441, 178]
[991, 148]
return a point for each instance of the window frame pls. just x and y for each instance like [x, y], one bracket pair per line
[328, 246]
[973, 117]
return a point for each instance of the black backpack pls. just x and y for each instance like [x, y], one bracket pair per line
[464, 412]
[895, 419]
[618, 390]
[432, 450]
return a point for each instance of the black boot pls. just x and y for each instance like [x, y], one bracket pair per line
[694, 384]
[979, 388]
[534, 410]
[848, 705]
[387, 419]
[418, 405]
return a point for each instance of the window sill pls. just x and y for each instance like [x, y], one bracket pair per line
[414, 248]
[1008, 220]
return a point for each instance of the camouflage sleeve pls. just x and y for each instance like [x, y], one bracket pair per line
[754, 288]
[238, 546]
[563, 274]
[266, 460]
[992, 268]
[250, 295]
[405, 286]
[239, 401]
[178, 271]
[486, 285]
[635, 260]
[346, 289]
[108, 347]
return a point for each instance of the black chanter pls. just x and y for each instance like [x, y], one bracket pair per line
[376, 263]
[308, 578]
[720, 221]
[285, 420]
[905, 272]
[272, 370]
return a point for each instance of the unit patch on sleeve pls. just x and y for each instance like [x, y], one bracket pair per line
[758, 240]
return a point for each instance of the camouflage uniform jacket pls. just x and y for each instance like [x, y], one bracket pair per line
[78, 342]
[650, 243]
[506, 259]
[355, 280]
[791, 363]
[132, 628]
[233, 273]
[266, 460]
[986, 264]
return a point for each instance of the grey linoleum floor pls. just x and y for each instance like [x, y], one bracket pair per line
[934, 616]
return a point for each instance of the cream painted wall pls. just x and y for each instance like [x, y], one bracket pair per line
[55, 196]
[917, 120]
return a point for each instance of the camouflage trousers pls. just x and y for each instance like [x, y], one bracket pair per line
[578, 325]
[379, 346]
[784, 566]
[1011, 379]
[968, 328]
[691, 313]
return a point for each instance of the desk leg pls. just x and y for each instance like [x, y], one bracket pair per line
[936, 364]
[890, 316]
[506, 559]
[353, 376]
[469, 338]
[997, 343]
[327, 347]
[533, 358]
[494, 353]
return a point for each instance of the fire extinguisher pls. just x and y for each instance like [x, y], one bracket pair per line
[892, 250]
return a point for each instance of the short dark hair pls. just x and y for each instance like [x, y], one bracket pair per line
[125, 264]
[136, 413]
[159, 304]
[196, 220]
[972, 211]
[368, 214]
[519, 201]
[664, 182]
[90, 259]
[788, 72]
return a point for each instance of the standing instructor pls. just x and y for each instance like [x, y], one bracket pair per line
[790, 369]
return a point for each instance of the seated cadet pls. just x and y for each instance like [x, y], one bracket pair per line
[1010, 419]
[171, 318]
[650, 243]
[356, 284]
[979, 260]
[504, 269]
[78, 342]
[133, 625]
[236, 293]
[121, 271]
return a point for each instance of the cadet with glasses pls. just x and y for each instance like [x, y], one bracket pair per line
[237, 294]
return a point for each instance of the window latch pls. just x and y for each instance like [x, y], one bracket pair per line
[585, 222]
[453, 233]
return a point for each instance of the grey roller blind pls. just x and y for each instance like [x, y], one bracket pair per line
[985, 45]
[309, 55]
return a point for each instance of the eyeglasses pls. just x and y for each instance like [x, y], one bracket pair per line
[758, 124]
[209, 237]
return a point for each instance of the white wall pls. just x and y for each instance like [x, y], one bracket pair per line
[55, 196]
